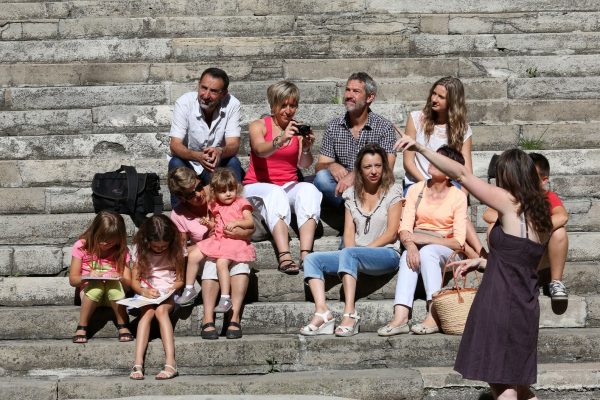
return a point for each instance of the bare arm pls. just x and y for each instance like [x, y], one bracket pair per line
[391, 232]
[559, 216]
[151, 293]
[305, 157]
[262, 147]
[408, 157]
[75, 272]
[423, 239]
[246, 223]
[180, 150]
[349, 230]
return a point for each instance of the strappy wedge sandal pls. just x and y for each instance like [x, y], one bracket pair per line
[326, 328]
[137, 373]
[166, 374]
[345, 331]
[124, 336]
[301, 265]
[287, 266]
[80, 339]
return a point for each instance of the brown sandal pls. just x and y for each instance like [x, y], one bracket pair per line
[287, 266]
[80, 339]
[125, 336]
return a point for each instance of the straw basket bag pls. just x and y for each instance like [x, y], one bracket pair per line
[452, 304]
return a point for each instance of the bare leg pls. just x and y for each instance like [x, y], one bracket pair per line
[349, 283]
[143, 333]
[307, 236]
[195, 257]
[223, 275]
[525, 393]
[166, 331]
[85, 312]
[558, 246]
[317, 288]
[210, 290]
[401, 313]
[430, 320]
[121, 317]
[239, 286]
[473, 242]
[280, 236]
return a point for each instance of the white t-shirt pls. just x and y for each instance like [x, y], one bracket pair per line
[189, 125]
[437, 139]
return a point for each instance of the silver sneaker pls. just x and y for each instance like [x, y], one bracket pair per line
[188, 297]
[224, 305]
[558, 291]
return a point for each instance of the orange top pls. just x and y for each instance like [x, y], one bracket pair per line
[447, 217]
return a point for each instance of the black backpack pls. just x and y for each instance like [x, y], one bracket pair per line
[127, 192]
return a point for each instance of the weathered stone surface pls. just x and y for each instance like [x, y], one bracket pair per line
[436, 45]
[408, 90]
[546, 22]
[76, 146]
[549, 43]
[86, 50]
[40, 122]
[42, 29]
[554, 88]
[457, 6]
[28, 388]
[6, 261]
[356, 23]
[23, 200]
[582, 135]
[9, 174]
[246, 69]
[434, 24]
[593, 312]
[37, 260]
[86, 96]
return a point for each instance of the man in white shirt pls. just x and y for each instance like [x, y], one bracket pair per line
[205, 131]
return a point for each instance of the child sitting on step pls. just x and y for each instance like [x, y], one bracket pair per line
[228, 209]
[558, 245]
[98, 260]
[157, 270]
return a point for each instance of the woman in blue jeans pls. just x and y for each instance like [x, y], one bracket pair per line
[373, 209]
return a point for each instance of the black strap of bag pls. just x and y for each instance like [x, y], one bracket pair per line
[132, 185]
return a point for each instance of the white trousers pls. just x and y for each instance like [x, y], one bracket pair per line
[277, 202]
[433, 257]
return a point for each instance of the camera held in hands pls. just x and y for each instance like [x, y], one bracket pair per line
[303, 130]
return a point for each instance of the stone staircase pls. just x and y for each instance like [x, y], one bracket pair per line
[86, 85]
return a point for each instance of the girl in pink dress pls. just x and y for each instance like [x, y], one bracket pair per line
[157, 271]
[228, 209]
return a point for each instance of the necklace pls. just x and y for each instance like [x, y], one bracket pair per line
[368, 217]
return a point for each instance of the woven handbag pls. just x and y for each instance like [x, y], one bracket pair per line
[452, 304]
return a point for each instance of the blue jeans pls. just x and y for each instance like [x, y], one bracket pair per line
[233, 163]
[373, 261]
[326, 184]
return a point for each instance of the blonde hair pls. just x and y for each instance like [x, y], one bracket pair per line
[181, 179]
[107, 226]
[279, 92]
[456, 125]
[223, 179]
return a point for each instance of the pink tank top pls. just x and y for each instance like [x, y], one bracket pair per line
[280, 167]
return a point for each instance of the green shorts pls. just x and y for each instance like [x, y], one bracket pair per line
[104, 292]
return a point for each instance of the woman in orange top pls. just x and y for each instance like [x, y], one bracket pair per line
[433, 225]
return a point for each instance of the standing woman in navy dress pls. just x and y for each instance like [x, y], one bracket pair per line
[499, 344]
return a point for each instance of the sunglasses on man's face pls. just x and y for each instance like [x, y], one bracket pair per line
[191, 195]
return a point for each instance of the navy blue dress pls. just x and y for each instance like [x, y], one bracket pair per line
[499, 344]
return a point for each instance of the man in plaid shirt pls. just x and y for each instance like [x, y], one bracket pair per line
[346, 135]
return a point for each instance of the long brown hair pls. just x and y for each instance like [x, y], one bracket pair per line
[456, 125]
[106, 227]
[516, 173]
[387, 175]
[158, 228]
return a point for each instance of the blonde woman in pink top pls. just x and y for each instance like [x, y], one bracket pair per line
[279, 146]
[433, 225]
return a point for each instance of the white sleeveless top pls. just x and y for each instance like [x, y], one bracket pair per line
[437, 139]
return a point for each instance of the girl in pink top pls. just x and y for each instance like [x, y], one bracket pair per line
[433, 226]
[272, 183]
[228, 209]
[101, 252]
[158, 269]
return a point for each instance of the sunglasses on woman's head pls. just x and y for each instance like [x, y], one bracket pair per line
[191, 195]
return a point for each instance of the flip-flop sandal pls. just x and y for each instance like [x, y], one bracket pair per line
[80, 339]
[165, 374]
[125, 336]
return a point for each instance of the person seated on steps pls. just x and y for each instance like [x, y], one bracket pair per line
[280, 145]
[188, 216]
[373, 208]
[345, 136]
[433, 226]
[558, 245]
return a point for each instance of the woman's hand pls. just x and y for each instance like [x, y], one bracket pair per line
[405, 143]
[150, 293]
[307, 142]
[463, 267]
[413, 258]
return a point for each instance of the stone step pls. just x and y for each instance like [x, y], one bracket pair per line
[269, 285]
[298, 46]
[256, 354]
[59, 322]
[554, 381]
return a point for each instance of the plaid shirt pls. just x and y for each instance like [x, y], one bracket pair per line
[339, 144]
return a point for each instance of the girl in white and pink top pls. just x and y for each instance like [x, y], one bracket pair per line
[157, 270]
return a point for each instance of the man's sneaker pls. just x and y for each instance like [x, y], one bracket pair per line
[224, 305]
[558, 291]
[187, 298]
